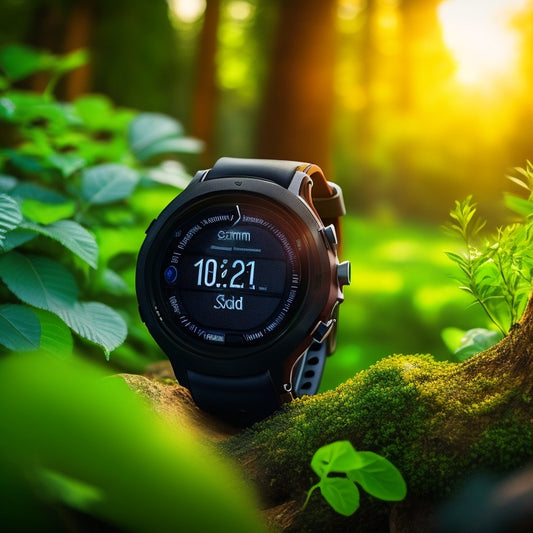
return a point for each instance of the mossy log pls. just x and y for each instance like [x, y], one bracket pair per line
[438, 422]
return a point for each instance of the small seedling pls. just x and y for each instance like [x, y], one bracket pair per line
[340, 467]
[497, 270]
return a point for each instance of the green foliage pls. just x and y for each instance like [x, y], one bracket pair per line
[70, 174]
[340, 467]
[497, 271]
[464, 344]
[85, 451]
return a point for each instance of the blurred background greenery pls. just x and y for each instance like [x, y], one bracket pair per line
[407, 104]
[106, 109]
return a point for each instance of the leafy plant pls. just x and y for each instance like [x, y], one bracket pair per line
[497, 270]
[339, 467]
[72, 213]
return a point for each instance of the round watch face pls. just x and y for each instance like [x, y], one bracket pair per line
[230, 272]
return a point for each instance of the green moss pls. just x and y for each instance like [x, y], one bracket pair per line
[432, 422]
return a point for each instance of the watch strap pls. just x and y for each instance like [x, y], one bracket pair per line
[240, 401]
[327, 199]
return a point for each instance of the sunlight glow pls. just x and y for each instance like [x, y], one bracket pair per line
[479, 35]
[187, 10]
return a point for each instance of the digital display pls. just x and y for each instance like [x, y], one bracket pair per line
[230, 274]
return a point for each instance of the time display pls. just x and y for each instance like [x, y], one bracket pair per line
[209, 271]
[231, 275]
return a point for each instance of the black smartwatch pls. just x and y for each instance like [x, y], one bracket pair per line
[239, 282]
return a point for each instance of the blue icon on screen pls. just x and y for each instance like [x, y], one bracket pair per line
[171, 274]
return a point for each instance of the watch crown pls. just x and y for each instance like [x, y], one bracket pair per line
[331, 235]
[344, 273]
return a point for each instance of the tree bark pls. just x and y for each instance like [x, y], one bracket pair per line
[298, 103]
[438, 422]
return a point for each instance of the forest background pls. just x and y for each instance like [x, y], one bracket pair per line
[407, 104]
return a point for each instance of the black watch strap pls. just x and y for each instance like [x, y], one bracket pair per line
[244, 400]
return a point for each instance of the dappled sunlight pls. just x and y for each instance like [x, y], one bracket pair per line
[480, 36]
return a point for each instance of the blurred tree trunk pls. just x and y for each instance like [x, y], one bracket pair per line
[297, 110]
[205, 94]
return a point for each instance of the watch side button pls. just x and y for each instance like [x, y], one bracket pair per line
[330, 234]
[344, 273]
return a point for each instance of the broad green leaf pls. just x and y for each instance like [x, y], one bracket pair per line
[10, 216]
[36, 192]
[72, 236]
[20, 61]
[38, 281]
[129, 243]
[475, 341]
[339, 456]
[97, 323]
[67, 164]
[146, 129]
[170, 145]
[45, 213]
[341, 494]
[108, 183]
[170, 173]
[56, 338]
[17, 237]
[96, 111]
[379, 477]
[20, 329]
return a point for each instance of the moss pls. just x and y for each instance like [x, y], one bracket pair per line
[411, 409]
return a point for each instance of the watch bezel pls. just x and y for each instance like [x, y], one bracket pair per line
[202, 357]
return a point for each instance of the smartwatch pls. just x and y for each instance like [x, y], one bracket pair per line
[239, 282]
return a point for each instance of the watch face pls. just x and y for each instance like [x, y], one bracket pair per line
[230, 271]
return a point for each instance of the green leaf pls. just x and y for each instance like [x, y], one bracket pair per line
[339, 456]
[72, 60]
[45, 213]
[519, 205]
[147, 129]
[10, 216]
[108, 183]
[7, 183]
[97, 323]
[171, 145]
[72, 236]
[56, 338]
[519, 182]
[95, 110]
[17, 237]
[341, 494]
[66, 490]
[18, 61]
[38, 281]
[379, 477]
[475, 341]
[36, 192]
[452, 337]
[67, 164]
[20, 329]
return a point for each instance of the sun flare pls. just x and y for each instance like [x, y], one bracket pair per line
[480, 37]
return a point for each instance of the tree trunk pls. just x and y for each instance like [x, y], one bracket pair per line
[205, 97]
[438, 422]
[298, 104]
